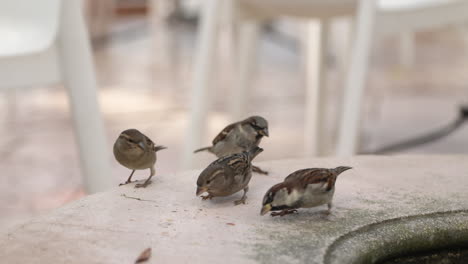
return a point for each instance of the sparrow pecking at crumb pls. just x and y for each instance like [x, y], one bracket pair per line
[135, 151]
[302, 189]
[228, 175]
[239, 137]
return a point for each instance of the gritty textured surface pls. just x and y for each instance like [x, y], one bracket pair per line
[111, 227]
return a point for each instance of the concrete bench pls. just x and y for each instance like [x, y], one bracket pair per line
[384, 207]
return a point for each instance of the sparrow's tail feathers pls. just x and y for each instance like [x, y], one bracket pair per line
[158, 148]
[339, 170]
[203, 149]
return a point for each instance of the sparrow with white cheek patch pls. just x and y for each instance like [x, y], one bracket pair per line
[302, 189]
[228, 175]
[134, 150]
[239, 137]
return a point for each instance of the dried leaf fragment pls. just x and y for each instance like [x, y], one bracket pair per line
[144, 256]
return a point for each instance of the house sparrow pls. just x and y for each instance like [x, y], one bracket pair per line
[302, 189]
[228, 175]
[134, 150]
[238, 137]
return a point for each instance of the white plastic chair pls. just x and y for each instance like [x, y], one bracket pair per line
[391, 16]
[45, 42]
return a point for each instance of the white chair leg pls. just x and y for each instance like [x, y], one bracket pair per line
[463, 31]
[78, 76]
[406, 49]
[355, 79]
[100, 16]
[203, 72]
[162, 36]
[315, 71]
[228, 43]
[342, 32]
[248, 47]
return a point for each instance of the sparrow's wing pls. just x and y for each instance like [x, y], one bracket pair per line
[322, 179]
[149, 142]
[297, 175]
[238, 164]
[222, 135]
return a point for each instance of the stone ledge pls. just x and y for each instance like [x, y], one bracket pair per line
[111, 227]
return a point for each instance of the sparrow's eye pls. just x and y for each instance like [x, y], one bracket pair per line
[208, 181]
[269, 198]
[256, 127]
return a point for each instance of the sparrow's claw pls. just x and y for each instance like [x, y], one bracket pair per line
[125, 183]
[241, 201]
[207, 197]
[284, 212]
[142, 185]
[328, 213]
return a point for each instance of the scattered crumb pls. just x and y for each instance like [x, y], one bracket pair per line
[144, 256]
[231, 224]
[136, 198]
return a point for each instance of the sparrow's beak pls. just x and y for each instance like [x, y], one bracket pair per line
[142, 145]
[264, 132]
[201, 190]
[158, 148]
[265, 209]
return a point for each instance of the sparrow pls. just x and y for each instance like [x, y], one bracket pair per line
[228, 175]
[302, 189]
[239, 137]
[135, 151]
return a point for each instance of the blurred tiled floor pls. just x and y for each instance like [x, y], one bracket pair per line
[38, 156]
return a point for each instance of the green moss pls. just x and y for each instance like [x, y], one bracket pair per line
[396, 237]
[444, 256]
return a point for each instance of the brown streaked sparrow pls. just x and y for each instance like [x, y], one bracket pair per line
[238, 137]
[302, 189]
[228, 175]
[134, 150]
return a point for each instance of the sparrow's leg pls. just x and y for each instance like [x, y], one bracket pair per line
[207, 197]
[243, 198]
[129, 180]
[148, 181]
[330, 205]
[284, 212]
[258, 170]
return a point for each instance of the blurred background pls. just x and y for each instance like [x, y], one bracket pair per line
[144, 51]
